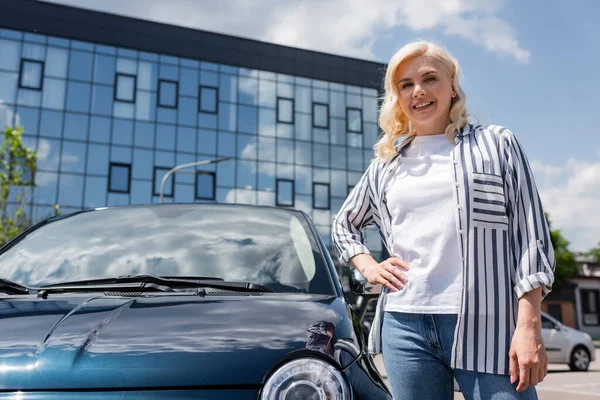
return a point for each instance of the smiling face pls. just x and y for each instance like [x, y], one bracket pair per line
[425, 94]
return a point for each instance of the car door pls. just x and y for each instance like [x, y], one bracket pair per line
[555, 340]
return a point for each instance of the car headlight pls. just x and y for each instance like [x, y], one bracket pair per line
[306, 379]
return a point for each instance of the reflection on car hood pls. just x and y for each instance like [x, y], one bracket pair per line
[73, 341]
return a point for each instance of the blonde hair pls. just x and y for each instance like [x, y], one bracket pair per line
[392, 121]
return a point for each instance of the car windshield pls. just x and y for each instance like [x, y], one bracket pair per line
[267, 246]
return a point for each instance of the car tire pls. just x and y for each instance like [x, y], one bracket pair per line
[580, 359]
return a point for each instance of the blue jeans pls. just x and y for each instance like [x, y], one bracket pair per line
[417, 351]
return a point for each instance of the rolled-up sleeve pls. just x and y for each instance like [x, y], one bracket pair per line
[532, 250]
[354, 215]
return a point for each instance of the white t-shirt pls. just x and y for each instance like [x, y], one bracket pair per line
[420, 200]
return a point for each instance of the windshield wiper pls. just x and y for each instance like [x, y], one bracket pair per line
[10, 287]
[144, 281]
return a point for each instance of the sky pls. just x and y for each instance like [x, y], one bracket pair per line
[531, 66]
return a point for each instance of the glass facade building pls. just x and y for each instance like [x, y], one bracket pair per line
[110, 114]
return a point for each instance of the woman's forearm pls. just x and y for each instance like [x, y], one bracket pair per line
[362, 261]
[530, 309]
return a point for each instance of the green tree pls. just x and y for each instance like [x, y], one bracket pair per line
[566, 265]
[595, 253]
[17, 171]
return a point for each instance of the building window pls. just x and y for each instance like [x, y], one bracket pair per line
[354, 120]
[321, 196]
[125, 88]
[167, 93]
[205, 185]
[285, 110]
[31, 74]
[555, 310]
[119, 178]
[320, 115]
[285, 192]
[590, 306]
[208, 99]
[159, 173]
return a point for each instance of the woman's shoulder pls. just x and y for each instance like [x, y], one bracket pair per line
[499, 133]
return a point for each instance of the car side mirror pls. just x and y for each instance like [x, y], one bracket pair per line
[556, 327]
[357, 282]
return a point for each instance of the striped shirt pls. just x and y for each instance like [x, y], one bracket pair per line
[504, 240]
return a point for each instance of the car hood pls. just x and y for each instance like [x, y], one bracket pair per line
[74, 341]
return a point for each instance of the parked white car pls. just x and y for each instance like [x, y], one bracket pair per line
[566, 345]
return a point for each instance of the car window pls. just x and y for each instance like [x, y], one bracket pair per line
[546, 323]
[267, 246]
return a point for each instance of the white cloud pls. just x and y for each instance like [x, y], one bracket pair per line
[347, 27]
[571, 195]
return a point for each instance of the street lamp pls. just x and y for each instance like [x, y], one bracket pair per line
[188, 165]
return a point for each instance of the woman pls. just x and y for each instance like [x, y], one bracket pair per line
[458, 210]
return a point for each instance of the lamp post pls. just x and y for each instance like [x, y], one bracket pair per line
[188, 165]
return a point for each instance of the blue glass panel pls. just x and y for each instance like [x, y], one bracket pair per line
[8, 87]
[208, 121]
[144, 134]
[209, 78]
[303, 127]
[338, 105]
[247, 119]
[34, 51]
[227, 116]
[303, 179]
[73, 157]
[104, 70]
[267, 123]
[80, 65]
[285, 109]
[119, 178]
[29, 118]
[226, 174]
[189, 82]
[266, 198]
[97, 159]
[166, 115]
[184, 176]
[126, 65]
[285, 193]
[266, 176]
[106, 49]
[76, 126]
[353, 100]
[248, 91]
[321, 196]
[46, 187]
[228, 88]
[320, 95]
[355, 140]
[209, 66]
[120, 154]
[205, 186]
[165, 137]
[285, 90]
[338, 157]
[141, 192]
[70, 190]
[143, 162]
[246, 174]
[51, 124]
[370, 109]
[188, 111]
[147, 76]
[122, 132]
[148, 56]
[129, 53]
[321, 155]
[78, 97]
[267, 94]
[303, 99]
[100, 129]
[354, 120]
[285, 151]
[11, 34]
[165, 159]
[208, 99]
[28, 97]
[186, 140]
[169, 59]
[170, 72]
[370, 134]
[123, 110]
[186, 62]
[207, 142]
[167, 93]
[118, 199]
[10, 55]
[145, 106]
[337, 131]
[7, 115]
[76, 44]
[226, 144]
[55, 41]
[31, 75]
[228, 69]
[184, 193]
[125, 88]
[246, 147]
[303, 153]
[285, 131]
[169, 185]
[355, 159]
[95, 191]
[266, 149]
[102, 100]
[321, 116]
[339, 185]
[56, 62]
[54, 94]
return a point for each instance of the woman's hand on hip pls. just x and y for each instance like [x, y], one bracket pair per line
[389, 273]
[528, 359]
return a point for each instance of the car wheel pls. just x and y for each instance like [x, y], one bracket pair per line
[580, 359]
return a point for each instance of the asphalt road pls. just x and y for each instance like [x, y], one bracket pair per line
[559, 384]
